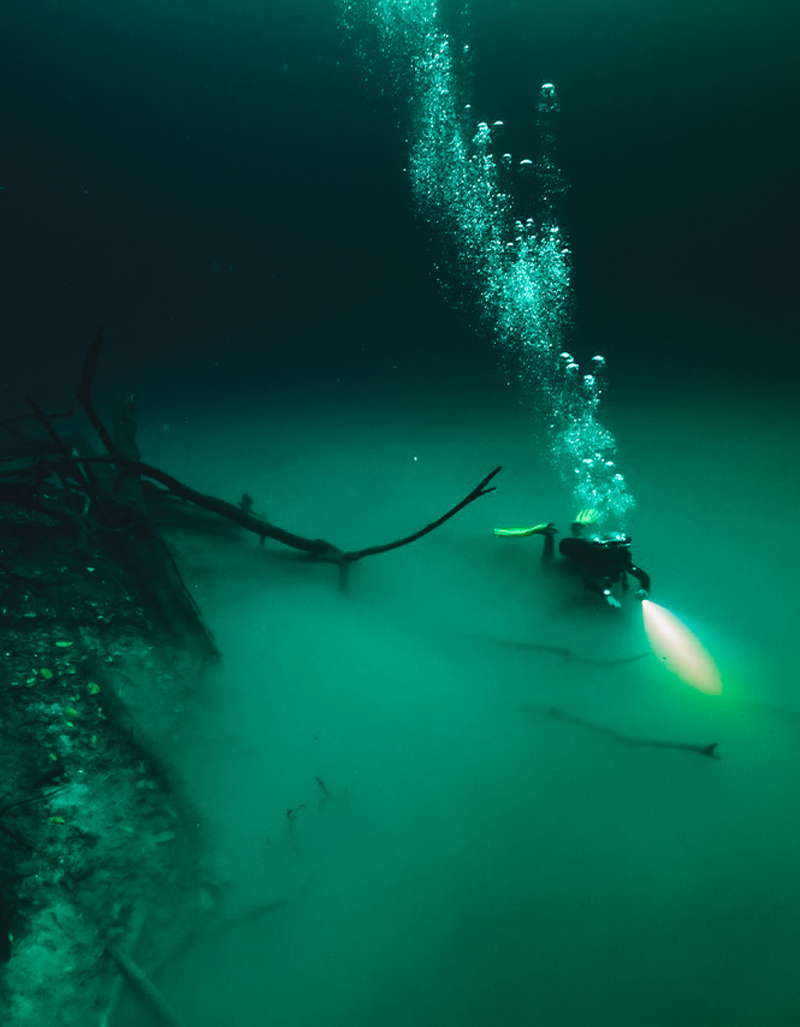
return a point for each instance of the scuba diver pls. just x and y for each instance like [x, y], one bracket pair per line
[603, 560]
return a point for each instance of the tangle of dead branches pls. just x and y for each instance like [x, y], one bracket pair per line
[81, 497]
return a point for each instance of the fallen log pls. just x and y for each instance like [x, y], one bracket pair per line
[318, 548]
[144, 985]
[116, 510]
[631, 741]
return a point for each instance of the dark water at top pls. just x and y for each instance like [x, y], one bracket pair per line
[215, 178]
[221, 188]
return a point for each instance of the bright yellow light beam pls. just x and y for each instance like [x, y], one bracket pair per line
[679, 650]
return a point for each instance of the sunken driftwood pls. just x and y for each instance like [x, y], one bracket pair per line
[315, 549]
[102, 497]
[145, 987]
[105, 515]
[631, 741]
[566, 653]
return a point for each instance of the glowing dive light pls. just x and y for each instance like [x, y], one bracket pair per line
[679, 650]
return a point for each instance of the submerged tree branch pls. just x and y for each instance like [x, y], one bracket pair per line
[84, 391]
[318, 548]
[631, 741]
[479, 490]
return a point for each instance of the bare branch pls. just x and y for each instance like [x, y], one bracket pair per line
[477, 492]
[318, 548]
[84, 391]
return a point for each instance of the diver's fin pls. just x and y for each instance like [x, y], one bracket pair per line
[537, 529]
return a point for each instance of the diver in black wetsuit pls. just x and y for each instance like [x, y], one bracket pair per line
[603, 560]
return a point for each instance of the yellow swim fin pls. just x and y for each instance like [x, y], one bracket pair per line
[537, 529]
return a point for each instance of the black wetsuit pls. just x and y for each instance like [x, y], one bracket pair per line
[603, 562]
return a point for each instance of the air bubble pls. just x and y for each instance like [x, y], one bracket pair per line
[521, 288]
[482, 137]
